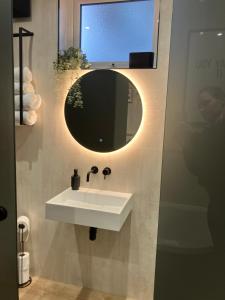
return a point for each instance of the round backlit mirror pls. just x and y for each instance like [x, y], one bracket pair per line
[103, 110]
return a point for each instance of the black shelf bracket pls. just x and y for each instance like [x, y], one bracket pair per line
[21, 34]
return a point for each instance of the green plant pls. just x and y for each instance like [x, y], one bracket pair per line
[74, 96]
[72, 59]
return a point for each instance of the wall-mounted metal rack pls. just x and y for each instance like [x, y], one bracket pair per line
[21, 34]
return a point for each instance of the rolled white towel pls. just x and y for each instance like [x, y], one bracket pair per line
[27, 75]
[27, 88]
[29, 117]
[30, 102]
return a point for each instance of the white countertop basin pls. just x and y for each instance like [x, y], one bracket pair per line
[90, 207]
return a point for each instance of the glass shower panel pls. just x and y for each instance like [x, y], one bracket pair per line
[8, 248]
[190, 261]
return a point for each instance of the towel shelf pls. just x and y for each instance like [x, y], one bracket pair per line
[21, 34]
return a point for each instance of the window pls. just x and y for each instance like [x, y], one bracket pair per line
[110, 31]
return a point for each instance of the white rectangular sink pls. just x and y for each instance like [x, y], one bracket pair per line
[90, 207]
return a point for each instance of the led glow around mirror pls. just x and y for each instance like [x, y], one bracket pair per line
[103, 110]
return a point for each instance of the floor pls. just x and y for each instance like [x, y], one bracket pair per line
[43, 289]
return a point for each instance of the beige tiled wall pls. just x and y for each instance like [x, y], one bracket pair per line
[121, 263]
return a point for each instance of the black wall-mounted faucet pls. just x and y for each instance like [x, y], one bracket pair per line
[94, 170]
[106, 172]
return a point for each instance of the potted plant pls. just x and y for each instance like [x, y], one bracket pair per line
[72, 59]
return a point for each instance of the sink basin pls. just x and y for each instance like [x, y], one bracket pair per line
[90, 207]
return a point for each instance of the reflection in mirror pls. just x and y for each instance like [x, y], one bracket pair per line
[118, 34]
[103, 110]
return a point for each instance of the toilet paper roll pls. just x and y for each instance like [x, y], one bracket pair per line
[24, 221]
[23, 267]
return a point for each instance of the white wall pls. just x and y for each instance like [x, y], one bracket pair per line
[120, 263]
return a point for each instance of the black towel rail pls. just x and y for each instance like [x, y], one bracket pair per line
[22, 33]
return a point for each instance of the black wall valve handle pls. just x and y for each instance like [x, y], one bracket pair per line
[106, 172]
[3, 213]
[94, 170]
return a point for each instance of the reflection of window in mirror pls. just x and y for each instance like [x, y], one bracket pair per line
[107, 32]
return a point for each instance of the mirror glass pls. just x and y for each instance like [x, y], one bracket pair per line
[115, 34]
[103, 110]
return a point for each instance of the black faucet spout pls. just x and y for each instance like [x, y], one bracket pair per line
[94, 170]
[88, 176]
